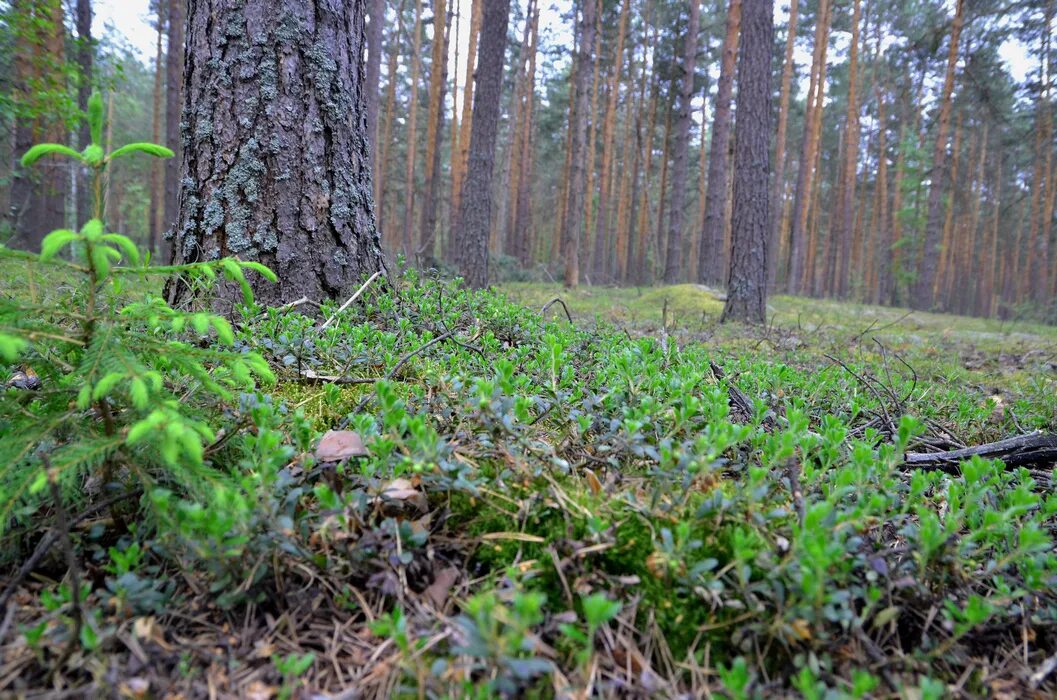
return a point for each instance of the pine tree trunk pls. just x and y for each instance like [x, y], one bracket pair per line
[662, 198]
[673, 266]
[475, 213]
[412, 137]
[157, 175]
[592, 149]
[458, 170]
[523, 207]
[85, 51]
[572, 224]
[639, 225]
[375, 29]
[922, 296]
[603, 233]
[380, 175]
[174, 85]
[438, 85]
[798, 244]
[260, 185]
[711, 267]
[750, 222]
[778, 244]
[845, 213]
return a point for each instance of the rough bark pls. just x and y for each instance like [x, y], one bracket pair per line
[174, 82]
[475, 211]
[277, 164]
[750, 225]
[922, 296]
[673, 265]
[572, 224]
[712, 254]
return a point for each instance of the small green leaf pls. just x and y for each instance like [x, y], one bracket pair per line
[138, 392]
[84, 397]
[126, 245]
[263, 270]
[105, 385]
[224, 332]
[56, 241]
[92, 154]
[100, 262]
[43, 149]
[151, 149]
[95, 117]
[92, 230]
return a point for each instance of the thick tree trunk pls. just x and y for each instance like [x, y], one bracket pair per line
[475, 212]
[751, 225]
[922, 296]
[174, 84]
[572, 225]
[673, 265]
[710, 266]
[277, 165]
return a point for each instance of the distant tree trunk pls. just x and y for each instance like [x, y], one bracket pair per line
[592, 147]
[802, 195]
[475, 214]
[777, 232]
[988, 300]
[307, 217]
[662, 199]
[640, 224]
[574, 211]
[375, 28]
[881, 230]
[84, 90]
[412, 137]
[673, 268]
[507, 215]
[523, 202]
[603, 233]
[710, 266]
[922, 296]
[438, 84]
[845, 211]
[157, 175]
[174, 83]
[946, 249]
[38, 194]
[380, 175]
[458, 169]
[751, 225]
[1042, 218]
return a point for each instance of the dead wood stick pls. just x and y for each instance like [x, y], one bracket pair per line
[737, 396]
[353, 298]
[1023, 450]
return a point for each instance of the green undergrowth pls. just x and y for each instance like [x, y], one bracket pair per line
[551, 508]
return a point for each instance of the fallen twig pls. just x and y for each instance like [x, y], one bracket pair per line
[557, 300]
[353, 298]
[309, 376]
[1023, 450]
[738, 397]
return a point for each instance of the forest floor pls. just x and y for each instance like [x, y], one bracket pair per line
[619, 506]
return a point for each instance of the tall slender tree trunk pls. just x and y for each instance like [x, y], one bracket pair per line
[922, 296]
[640, 223]
[526, 160]
[506, 224]
[778, 243]
[603, 232]
[592, 147]
[574, 211]
[174, 85]
[85, 51]
[711, 265]
[751, 225]
[458, 170]
[412, 136]
[157, 174]
[375, 29]
[308, 217]
[845, 214]
[438, 85]
[662, 195]
[475, 213]
[382, 191]
[1040, 269]
[946, 249]
[673, 267]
